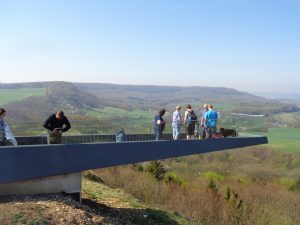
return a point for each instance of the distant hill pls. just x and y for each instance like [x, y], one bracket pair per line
[59, 95]
[143, 96]
[149, 97]
[77, 98]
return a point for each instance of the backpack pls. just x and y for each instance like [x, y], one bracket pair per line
[191, 118]
[121, 136]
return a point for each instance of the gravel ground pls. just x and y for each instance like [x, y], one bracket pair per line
[60, 209]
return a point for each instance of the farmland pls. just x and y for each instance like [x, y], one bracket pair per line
[285, 139]
[16, 94]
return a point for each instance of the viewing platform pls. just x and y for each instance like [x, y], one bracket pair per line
[34, 167]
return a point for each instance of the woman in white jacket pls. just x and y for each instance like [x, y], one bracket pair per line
[6, 136]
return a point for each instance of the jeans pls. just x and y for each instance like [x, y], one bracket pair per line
[176, 130]
[157, 134]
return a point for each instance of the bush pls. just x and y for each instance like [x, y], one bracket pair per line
[90, 175]
[172, 178]
[138, 167]
[287, 182]
[156, 169]
[296, 185]
[213, 175]
[212, 186]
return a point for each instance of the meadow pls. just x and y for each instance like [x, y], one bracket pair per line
[284, 139]
[16, 94]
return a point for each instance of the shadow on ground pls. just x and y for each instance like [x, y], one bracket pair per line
[59, 209]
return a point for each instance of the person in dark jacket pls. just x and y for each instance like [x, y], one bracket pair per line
[56, 124]
[159, 124]
[190, 119]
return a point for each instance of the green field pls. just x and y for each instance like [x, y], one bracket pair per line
[16, 94]
[110, 112]
[285, 139]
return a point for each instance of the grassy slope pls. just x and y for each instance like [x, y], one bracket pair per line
[11, 94]
[253, 175]
[100, 205]
[141, 214]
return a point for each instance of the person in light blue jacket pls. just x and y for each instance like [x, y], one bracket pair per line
[6, 136]
[176, 123]
[210, 121]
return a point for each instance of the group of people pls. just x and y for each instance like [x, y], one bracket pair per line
[208, 122]
[55, 124]
[58, 123]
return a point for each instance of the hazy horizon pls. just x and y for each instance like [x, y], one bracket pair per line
[266, 94]
[249, 46]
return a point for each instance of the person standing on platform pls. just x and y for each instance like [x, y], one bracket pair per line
[202, 134]
[176, 122]
[6, 136]
[56, 124]
[210, 120]
[190, 119]
[159, 124]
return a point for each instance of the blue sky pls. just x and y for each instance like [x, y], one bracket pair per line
[249, 45]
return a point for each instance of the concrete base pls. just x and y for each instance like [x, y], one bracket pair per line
[68, 183]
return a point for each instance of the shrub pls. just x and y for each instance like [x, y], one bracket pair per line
[287, 182]
[295, 162]
[172, 177]
[138, 167]
[19, 217]
[179, 159]
[213, 175]
[296, 185]
[90, 175]
[212, 186]
[156, 169]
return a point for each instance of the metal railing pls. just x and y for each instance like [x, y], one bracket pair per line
[91, 132]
